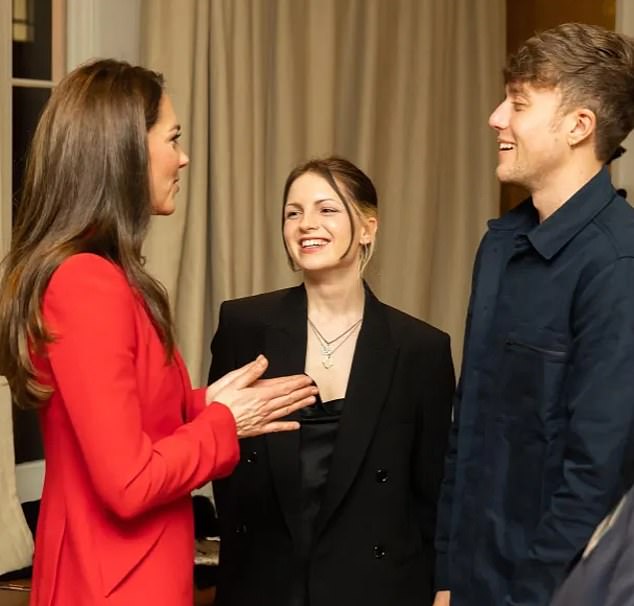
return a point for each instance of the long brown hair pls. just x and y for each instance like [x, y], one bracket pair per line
[86, 189]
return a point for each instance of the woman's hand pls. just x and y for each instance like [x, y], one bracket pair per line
[257, 404]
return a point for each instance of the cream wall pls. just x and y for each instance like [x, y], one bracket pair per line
[103, 28]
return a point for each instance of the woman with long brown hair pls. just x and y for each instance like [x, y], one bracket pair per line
[86, 336]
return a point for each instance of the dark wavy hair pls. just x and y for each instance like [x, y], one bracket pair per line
[86, 189]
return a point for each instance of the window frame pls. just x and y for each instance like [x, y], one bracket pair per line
[30, 474]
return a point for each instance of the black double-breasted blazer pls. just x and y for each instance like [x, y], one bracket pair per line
[373, 536]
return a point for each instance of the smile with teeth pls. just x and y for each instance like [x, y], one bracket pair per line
[503, 146]
[313, 243]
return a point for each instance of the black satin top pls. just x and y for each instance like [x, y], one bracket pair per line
[319, 425]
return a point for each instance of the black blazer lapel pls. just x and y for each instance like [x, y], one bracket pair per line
[370, 376]
[285, 348]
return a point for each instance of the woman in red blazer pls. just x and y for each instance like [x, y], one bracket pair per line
[86, 335]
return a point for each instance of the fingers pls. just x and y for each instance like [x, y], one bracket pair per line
[229, 379]
[288, 398]
[249, 373]
[290, 388]
[284, 407]
[258, 404]
[223, 381]
[271, 427]
[288, 382]
[278, 426]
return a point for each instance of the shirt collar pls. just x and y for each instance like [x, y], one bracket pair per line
[549, 237]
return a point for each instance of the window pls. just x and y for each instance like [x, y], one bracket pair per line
[37, 61]
[39, 39]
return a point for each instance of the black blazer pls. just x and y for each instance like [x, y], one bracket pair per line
[373, 537]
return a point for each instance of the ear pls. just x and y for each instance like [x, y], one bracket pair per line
[368, 230]
[583, 123]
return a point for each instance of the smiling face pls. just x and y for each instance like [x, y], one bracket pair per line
[318, 231]
[166, 159]
[532, 144]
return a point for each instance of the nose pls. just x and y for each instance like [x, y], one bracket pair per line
[499, 119]
[183, 160]
[307, 222]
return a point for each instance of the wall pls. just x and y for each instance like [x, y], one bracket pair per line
[103, 28]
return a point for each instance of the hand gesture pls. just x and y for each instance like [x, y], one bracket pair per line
[258, 404]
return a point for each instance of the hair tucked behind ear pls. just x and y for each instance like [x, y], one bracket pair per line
[86, 189]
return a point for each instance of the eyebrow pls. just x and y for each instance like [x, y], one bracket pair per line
[318, 201]
[314, 202]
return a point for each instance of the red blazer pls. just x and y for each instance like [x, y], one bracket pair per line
[126, 439]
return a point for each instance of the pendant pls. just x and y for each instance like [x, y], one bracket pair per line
[326, 362]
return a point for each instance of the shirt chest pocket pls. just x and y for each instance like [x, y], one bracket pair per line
[533, 369]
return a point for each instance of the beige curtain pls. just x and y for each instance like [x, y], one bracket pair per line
[16, 543]
[401, 87]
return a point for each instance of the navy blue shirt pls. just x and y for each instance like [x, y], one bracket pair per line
[544, 408]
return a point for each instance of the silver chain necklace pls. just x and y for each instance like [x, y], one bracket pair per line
[326, 347]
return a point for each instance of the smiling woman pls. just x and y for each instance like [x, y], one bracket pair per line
[314, 199]
[326, 504]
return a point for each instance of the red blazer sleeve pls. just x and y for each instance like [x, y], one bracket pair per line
[196, 403]
[90, 309]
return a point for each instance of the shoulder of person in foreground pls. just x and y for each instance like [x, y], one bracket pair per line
[91, 286]
[89, 307]
[85, 265]
[605, 573]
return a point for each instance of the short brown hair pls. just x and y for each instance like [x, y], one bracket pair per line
[352, 185]
[592, 67]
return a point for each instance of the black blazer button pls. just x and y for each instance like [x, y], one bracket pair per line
[379, 552]
[241, 529]
[381, 476]
[252, 457]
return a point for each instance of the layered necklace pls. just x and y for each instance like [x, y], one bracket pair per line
[329, 347]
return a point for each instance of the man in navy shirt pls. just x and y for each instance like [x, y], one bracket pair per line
[541, 442]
